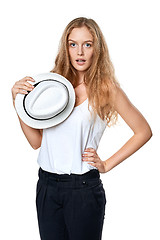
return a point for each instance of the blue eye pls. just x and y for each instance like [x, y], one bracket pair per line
[72, 44]
[88, 45]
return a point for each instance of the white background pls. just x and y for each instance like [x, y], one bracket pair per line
[30, 34]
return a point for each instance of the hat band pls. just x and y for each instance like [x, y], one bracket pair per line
[41, 119]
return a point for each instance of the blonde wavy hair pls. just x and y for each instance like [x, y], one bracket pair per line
[100, 80]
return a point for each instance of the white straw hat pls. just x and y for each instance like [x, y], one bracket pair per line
[50, 102]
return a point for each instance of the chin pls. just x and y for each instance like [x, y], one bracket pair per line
[81, 69]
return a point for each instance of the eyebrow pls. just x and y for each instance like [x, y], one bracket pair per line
[84, 41]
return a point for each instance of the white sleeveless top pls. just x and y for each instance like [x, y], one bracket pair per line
[63, 145]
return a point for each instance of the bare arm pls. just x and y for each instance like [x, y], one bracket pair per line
[34, 136]
[138, 124]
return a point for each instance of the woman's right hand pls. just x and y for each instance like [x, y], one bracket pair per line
[22, 86]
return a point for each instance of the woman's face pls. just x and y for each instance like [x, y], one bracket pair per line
[80, 42]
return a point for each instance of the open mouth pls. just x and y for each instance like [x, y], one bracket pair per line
[80, 60]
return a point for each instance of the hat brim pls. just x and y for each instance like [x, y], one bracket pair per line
[42, 124]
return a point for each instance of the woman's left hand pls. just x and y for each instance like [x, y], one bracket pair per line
[90, 155]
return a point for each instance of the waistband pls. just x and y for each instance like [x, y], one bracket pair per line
[92, 174]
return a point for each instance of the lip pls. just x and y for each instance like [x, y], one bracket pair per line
[81, 62]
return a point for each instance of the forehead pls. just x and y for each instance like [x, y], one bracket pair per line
[81, 33]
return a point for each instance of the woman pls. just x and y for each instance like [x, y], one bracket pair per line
[70, 197]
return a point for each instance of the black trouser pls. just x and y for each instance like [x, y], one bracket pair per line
[70, 207]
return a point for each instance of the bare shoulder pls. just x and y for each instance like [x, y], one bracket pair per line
[130, 114]
[121, 100]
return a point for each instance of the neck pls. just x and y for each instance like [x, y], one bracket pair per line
[80, 78]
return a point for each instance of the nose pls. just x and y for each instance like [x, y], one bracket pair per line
[80, 50]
